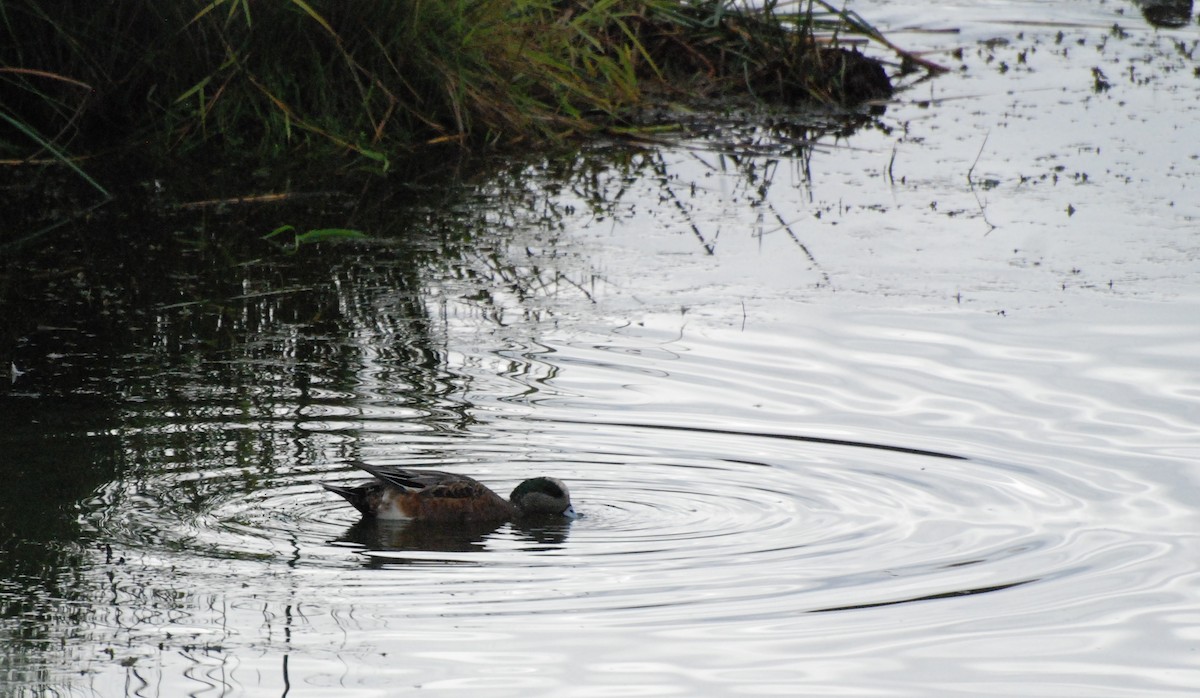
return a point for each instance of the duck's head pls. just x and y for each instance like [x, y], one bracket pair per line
[542, 496]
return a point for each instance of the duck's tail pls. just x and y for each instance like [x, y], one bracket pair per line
[358, 496]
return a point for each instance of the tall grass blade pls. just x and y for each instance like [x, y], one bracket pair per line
[33, 135]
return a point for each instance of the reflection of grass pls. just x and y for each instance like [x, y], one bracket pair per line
[529, 267]
[382, 78]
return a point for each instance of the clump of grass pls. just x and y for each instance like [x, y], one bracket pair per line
[804, 51]
[380, 79]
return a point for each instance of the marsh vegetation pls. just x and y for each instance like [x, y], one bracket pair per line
[380, 80]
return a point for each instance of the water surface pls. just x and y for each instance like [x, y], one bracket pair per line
[913, 412]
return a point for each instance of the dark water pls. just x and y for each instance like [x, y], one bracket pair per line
[838, 422]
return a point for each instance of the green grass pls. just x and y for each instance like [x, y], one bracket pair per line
[381, 79]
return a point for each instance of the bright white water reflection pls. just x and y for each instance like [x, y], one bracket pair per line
[895, 502]
[832, 433]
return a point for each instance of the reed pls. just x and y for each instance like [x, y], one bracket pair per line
[267, 78]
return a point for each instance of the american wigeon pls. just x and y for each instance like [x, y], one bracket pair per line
[436, 496]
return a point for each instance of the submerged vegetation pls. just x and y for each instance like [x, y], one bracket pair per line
[382, 79]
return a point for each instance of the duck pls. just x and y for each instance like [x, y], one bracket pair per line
[434, 496]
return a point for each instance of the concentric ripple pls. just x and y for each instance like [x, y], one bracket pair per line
[709, 525]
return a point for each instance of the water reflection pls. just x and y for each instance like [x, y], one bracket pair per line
[913, 498]
[375, 535]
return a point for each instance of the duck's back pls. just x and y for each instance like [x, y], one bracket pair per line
[433, 495]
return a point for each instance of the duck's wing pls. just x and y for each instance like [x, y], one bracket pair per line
[430, 483]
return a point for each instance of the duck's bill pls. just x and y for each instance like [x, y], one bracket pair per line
[570, 512]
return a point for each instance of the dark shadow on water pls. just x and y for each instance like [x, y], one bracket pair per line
[161, 339]
[379, 541]
[790, 437]
[374, 535]
[929, 597]
[45, 558]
